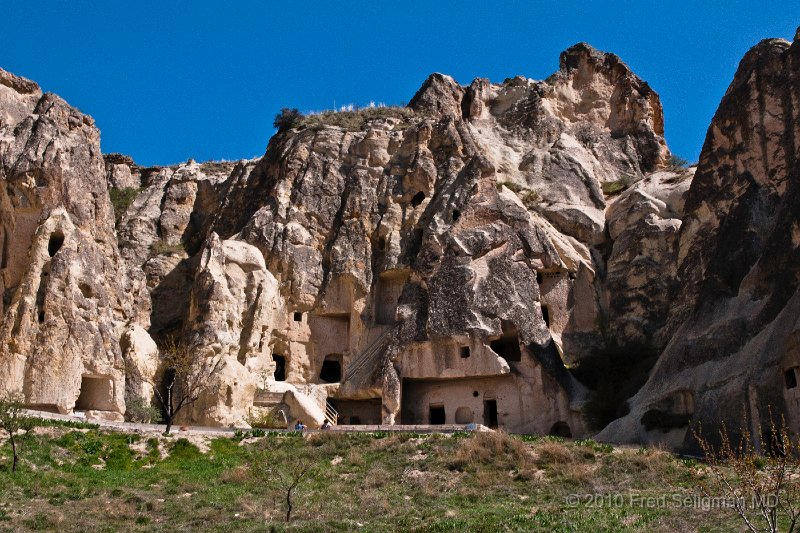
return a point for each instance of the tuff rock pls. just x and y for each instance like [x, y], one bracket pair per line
[441, 263]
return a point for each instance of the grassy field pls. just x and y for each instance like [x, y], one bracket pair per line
[88, 479]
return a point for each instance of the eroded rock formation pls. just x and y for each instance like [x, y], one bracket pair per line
[732, 354]
[67, 295]
[441, 263]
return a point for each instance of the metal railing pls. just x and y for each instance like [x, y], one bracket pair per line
[368, 355]
[331, 415]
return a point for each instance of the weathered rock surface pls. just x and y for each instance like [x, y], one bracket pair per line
[439, 263]
[733, 318]
[66, 293]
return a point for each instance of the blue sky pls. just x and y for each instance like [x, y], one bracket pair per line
[167, 80]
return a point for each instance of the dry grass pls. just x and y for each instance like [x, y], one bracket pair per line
[357, 119]
[494, 448]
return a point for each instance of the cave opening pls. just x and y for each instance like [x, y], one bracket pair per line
[507, 346]
[790, 378]
[331, 371]
[280, 367]
[418, 198]
[97, 394]
[55, 243]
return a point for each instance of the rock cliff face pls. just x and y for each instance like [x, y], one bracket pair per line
[733, 324]
[66, 292]
[444, 255]
[440, 263]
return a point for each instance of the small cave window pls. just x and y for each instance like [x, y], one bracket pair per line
[55, 243]
[546, 315]
[790, 378]
[41, 317]
[436, 415]
[539, 278]
[298, 316]
[4, 255]
[456, 215]
[280, 367]
[382, 244]
[464, 351]
[417, 198]
[331, 371]
[475, 394]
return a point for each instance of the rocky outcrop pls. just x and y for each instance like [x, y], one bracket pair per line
[733, 319]
[66, 294]
[439, 262]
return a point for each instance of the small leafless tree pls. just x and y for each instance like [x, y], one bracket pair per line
[291, 477]
[11, 421]
[183, 379]
[762, 487]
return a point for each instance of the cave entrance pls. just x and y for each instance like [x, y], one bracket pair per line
[97, 394]
[507, 346]
[280, 367]
[436, 415]
[561, 429]
[790, 378]
[358, 412]
[490, 413]
[331, 371]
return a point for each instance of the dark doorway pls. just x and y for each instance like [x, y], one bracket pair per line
[418, 198]
[331, 369]
[280, 367]
[490, 413]
[546, 315]
[436, 415]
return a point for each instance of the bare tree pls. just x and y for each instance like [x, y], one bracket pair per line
[763, 488]
[183, 379]
[11, 420]
[290, 479]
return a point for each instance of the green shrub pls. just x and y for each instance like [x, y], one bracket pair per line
[287, 119]
[510, 185]
[121, 199]
[138, 411]
[676, 162]
[531, 199]
[615, 187]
